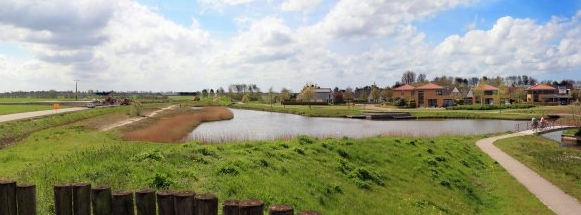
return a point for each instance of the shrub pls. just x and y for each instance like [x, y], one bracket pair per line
[161, 181]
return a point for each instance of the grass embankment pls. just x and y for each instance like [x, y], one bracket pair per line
[11, 109]
[13, 131]
[334, 176]
[561, 166]
[173, 125]
[314, 111]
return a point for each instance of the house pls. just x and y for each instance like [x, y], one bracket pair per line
[548, 94]
[486, 94]
[324, 95]
[406, 92]
[427, 95]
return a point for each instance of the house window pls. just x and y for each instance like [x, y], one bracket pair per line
[439, 92]
[413, 93]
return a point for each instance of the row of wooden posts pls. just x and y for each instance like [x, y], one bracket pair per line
[82, 199]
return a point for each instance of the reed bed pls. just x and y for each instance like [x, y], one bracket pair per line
[174, 126]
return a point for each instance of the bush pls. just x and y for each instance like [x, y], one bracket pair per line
[490, 107]
[161, 181]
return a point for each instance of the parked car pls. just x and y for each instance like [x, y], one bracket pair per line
[90, 105]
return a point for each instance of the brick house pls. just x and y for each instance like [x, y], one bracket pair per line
[548, 94]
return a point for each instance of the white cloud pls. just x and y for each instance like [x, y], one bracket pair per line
[298, 5]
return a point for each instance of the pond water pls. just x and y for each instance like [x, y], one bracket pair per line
[259, 125]
[556, 136]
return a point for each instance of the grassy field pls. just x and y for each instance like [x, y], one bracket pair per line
[442, 175]
[10, 109]
[31, 99]
[561, 166]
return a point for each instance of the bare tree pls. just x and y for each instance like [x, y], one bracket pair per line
[408, 77]
[308, 94]
[348, 96]
[422, 78]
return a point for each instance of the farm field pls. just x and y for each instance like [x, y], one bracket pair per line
[10, 109]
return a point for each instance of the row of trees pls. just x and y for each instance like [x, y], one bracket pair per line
[409, 77]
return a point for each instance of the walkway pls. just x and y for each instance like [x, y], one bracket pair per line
[553, 197]
[132, 120]
[17, 116]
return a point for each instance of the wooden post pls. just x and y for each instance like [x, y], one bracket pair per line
[280, 210]
[231, 207]
[145, 200]
[123, 203]
[63, 199]
[26, 198]
[101, 200]
[251, 207]
[8, 197]
[165, 203]
[309, 213]
[184, 202]
[206, 204]
[82, 199]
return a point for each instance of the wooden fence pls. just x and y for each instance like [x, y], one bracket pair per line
[82, 199]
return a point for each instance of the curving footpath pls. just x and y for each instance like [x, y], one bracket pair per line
[553, 197]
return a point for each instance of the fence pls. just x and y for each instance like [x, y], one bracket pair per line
[523, 126]
[82, 199]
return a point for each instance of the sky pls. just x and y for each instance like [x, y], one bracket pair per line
[190, 45]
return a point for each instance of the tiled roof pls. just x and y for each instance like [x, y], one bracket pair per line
[405, 87]
[429, 86]
[542, 87]
[489, 87]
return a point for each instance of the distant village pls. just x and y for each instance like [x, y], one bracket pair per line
[412, 91]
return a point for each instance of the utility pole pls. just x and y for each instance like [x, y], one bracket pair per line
[76, 89]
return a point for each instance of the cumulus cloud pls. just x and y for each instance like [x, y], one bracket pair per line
[379, 18]
[298, 5]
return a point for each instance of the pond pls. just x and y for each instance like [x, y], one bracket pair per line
[259, 125]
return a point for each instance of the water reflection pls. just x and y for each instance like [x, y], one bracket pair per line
[258, 125]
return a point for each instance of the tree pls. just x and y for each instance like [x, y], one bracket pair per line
[348, 95]
[285, 95]
[408, 77]
[205, 93]
[362, 95]
[478, 91]
[271, 96]
[386, 94]
[308, 93]
[422, 78]
[375, 93]
[338, 96]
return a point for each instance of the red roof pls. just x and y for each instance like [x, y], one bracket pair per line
[405, 87]
[542, 87]
[430, 86]
[489, 87]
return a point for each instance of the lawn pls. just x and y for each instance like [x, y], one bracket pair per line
[377, 175]
[10, 109]
[561, 166]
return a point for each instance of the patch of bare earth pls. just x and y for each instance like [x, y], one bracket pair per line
[173, 125]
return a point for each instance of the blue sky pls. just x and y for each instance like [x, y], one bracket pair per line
[185, 45]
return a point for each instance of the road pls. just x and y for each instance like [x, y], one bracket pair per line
[17, 116]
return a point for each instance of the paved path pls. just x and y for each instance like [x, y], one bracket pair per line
[17, 116]
[553, 197]
[132, 120]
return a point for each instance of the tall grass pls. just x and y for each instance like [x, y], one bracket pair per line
[175, 127]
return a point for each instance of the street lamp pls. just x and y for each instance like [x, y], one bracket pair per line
[76, 91]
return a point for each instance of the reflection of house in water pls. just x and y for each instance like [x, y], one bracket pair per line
[549, 94]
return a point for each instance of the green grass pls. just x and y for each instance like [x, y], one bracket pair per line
[561, 166]
[31, 99]
[314, 111]
[378, 175]
[13, 131]
[10, 109]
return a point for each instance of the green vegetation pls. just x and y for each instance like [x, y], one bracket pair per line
[314, 111]
[30, 99]
[572, 132]
[12, 131]
[10, 109]
[335, 176]
[490, 107]
[561, 166]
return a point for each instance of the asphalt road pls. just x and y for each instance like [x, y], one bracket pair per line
[17, 116]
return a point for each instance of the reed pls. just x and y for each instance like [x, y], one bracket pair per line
[174, 126]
